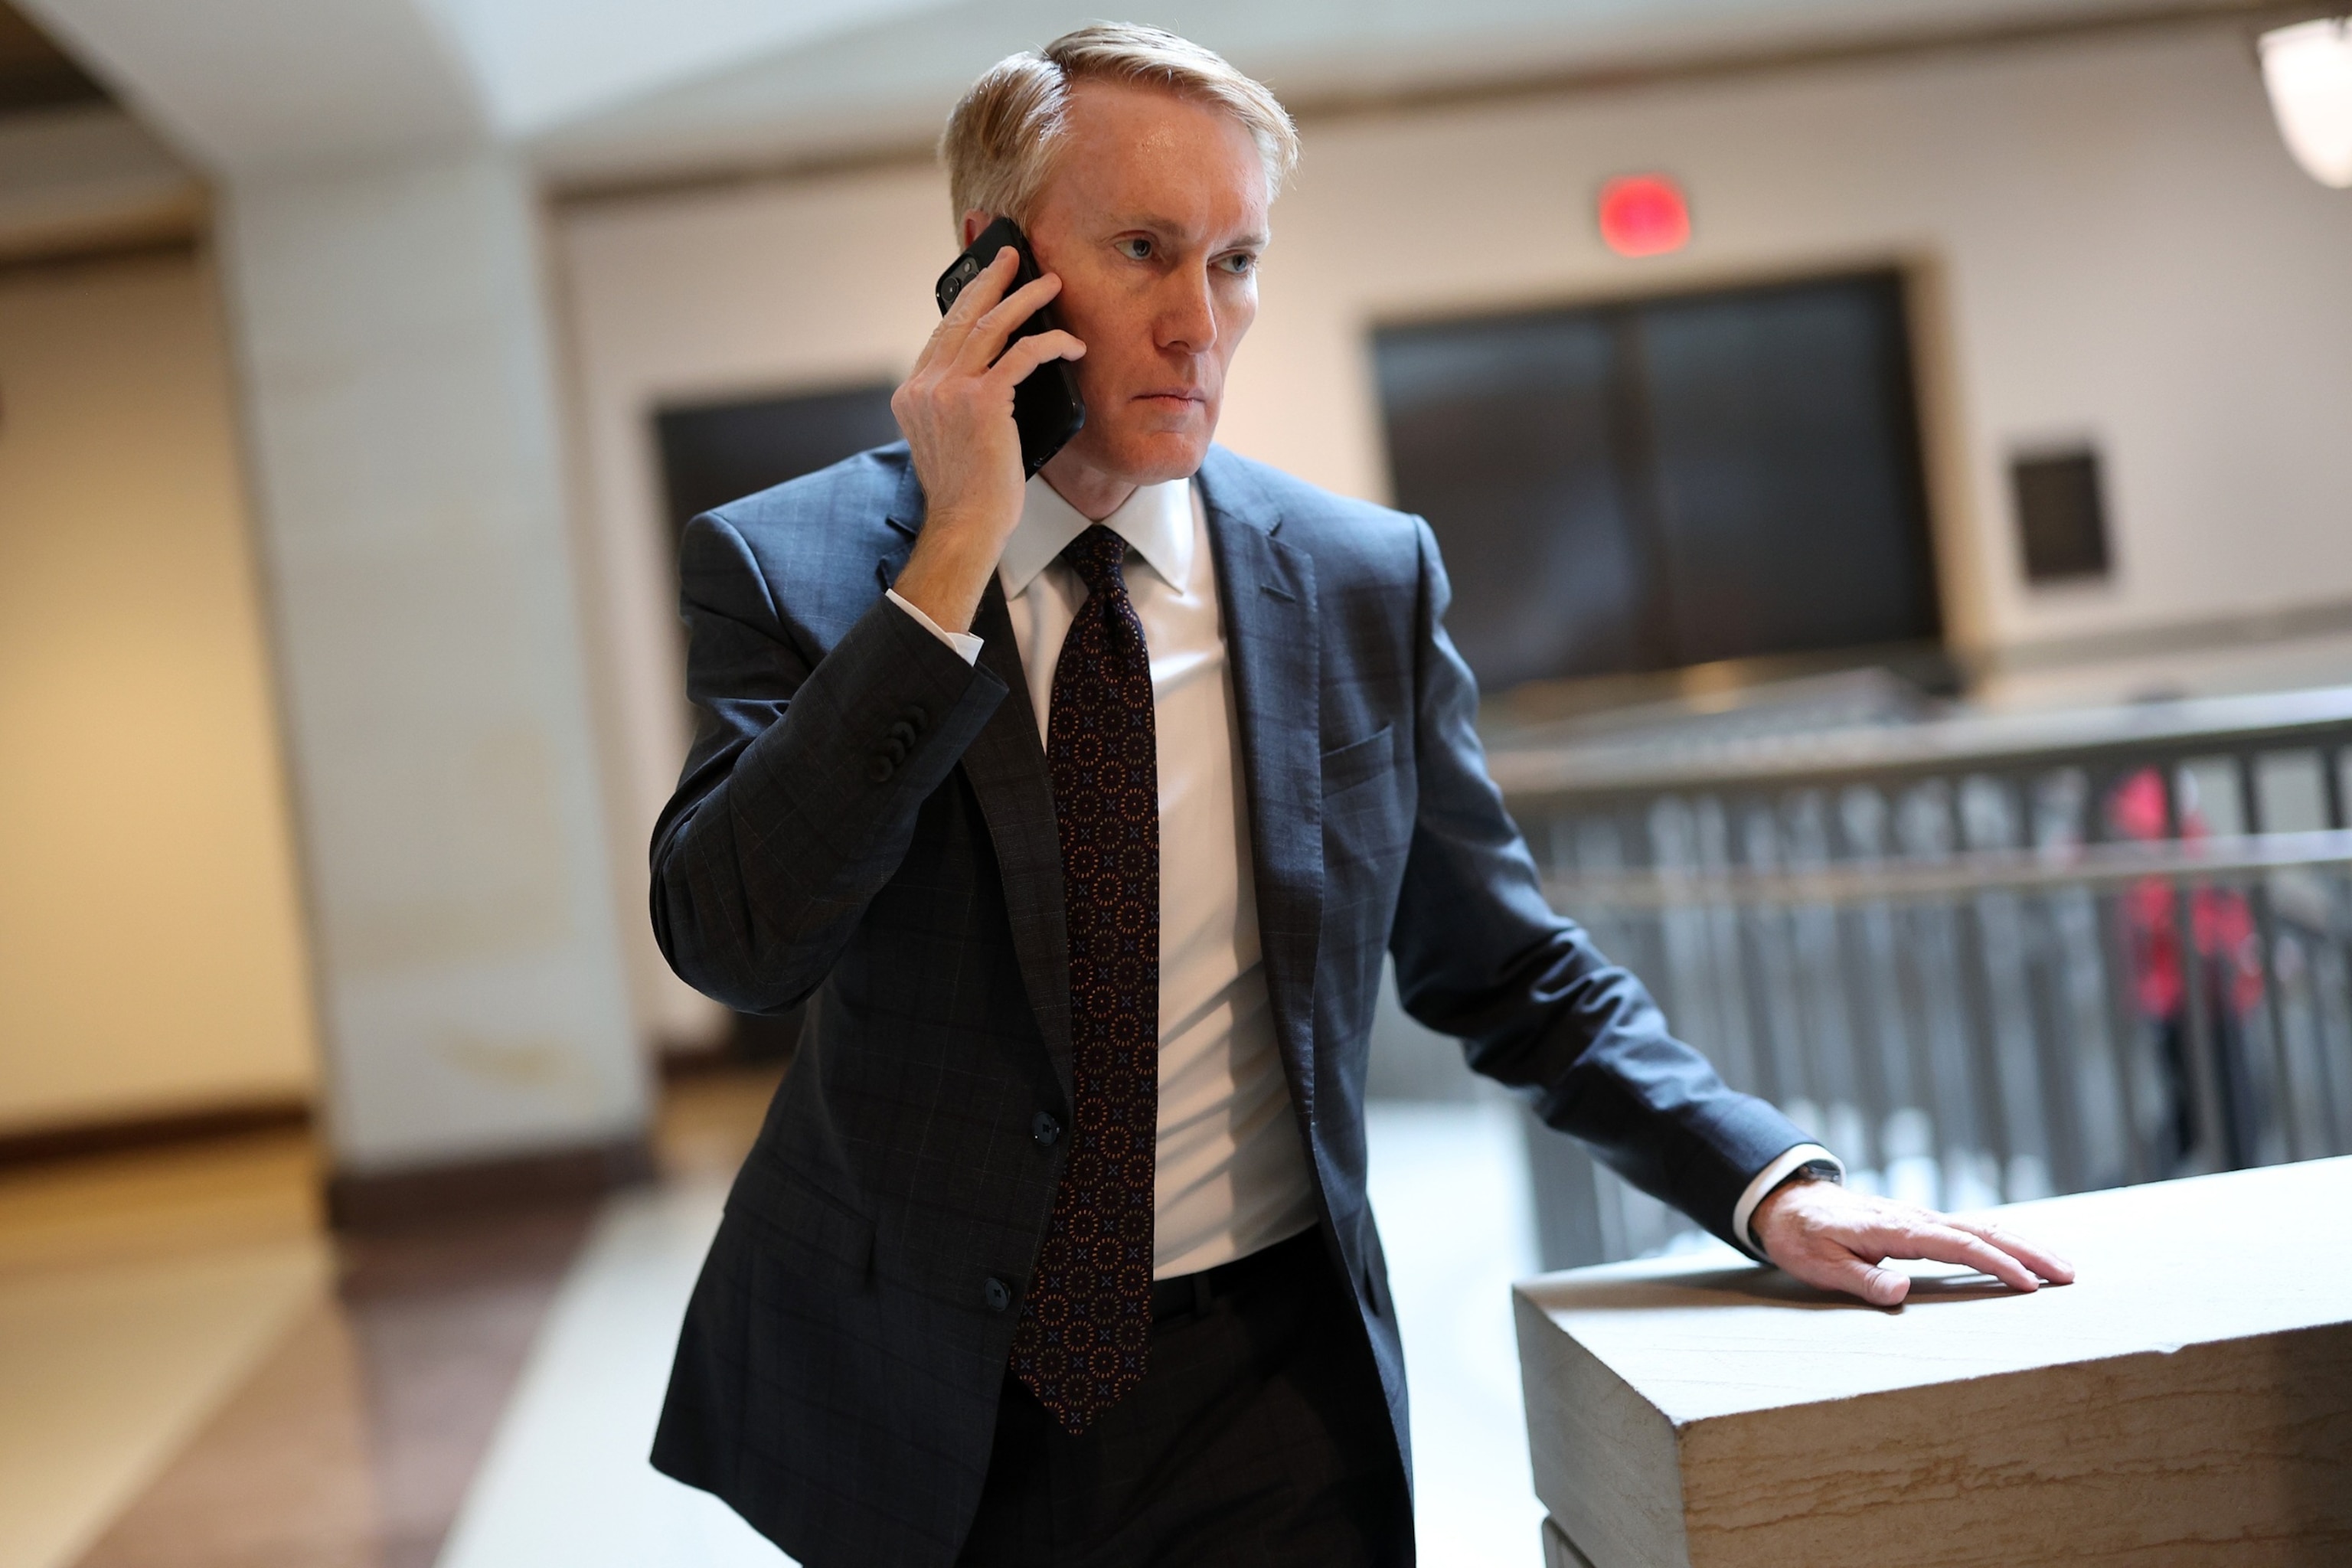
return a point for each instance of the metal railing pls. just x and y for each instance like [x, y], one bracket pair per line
[1984, 959]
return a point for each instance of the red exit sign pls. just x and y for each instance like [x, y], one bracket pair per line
[1643, 214]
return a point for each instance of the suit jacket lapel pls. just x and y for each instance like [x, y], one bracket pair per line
[1006, 768]
[906, 521]
[1266, 589]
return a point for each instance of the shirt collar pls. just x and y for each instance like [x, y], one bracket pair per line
[1157, 521]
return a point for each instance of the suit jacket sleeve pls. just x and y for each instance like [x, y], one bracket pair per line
[800, 795]
[1480, 955]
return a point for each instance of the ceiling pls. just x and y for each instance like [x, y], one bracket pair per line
[888, 83]
[33, 72]
[605, 91]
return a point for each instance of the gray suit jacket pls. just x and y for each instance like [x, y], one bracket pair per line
[864, 824]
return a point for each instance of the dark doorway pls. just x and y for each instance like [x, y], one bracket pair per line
[1654, 484]
[713, 453]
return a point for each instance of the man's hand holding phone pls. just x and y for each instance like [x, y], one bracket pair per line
[956, 411]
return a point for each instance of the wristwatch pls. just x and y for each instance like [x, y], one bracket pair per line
[1811, 1171]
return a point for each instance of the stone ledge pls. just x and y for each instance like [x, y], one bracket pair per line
[2190, 1400]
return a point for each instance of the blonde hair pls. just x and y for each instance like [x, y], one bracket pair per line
[999, 143]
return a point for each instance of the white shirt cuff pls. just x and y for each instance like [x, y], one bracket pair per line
[964, 643]
[1772, 1176]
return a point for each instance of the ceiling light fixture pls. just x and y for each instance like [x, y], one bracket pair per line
[2308, 68]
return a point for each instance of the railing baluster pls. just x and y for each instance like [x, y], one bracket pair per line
[2203, 1067]
[2337, 1063]
[2071, 1045]
[1726, 943]
[2127, 1024]
[1962, 964]
[2331, 1012]
[2280, 1102]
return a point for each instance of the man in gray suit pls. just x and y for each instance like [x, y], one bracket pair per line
[1081, 813]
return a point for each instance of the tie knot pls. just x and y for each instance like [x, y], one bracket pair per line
[1095, 555]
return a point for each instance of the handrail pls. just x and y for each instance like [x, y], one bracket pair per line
[2089, 866]
[1540, 777]
[2005, 945]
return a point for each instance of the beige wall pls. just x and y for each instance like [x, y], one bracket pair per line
[2107, 236]
[151, 943]
[800, 286]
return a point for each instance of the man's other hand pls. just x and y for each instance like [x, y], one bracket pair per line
[1838, 1239]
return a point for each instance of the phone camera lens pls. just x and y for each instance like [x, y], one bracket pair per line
[967, 268]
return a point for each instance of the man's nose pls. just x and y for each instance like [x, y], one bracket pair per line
[1188, 317]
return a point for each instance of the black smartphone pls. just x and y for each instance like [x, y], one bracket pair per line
[1046, 407]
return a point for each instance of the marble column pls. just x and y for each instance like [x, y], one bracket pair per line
[403, 417]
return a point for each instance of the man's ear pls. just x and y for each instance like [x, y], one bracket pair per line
[973, 222]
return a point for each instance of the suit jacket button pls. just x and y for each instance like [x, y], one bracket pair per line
[913, 714]
[879, 767]
[1044, 1129]
[999, 1294]
[900, 734]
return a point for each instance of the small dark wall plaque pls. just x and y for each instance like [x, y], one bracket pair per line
[2061, 519]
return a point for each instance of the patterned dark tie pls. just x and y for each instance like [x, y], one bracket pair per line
[1086, 1326]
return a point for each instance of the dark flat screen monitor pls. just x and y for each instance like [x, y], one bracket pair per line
[1646, 485]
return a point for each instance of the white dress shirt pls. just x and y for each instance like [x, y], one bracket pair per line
[1232, 1175]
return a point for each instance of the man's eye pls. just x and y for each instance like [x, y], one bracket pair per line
[1240, 266]
[1135, 250]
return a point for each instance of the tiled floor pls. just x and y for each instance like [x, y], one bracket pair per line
[1450, 1189]
[191, 1376]
[135, 1294]
[567, 1483]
